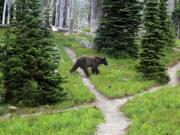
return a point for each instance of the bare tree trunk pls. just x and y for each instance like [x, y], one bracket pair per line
[4, 13]
[57, 13]
[67, 13]
[9, 12]
[89, 12]
[95, 12]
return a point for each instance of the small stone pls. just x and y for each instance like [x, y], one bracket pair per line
[12, 108]
[7, 116]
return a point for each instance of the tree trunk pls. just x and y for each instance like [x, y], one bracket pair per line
[95, 13]
[4, 13]
[7, 11]
[57, 16]
[61, 13]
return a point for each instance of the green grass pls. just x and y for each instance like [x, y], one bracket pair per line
[87, 37]
[155, 114]
[178, 73]
[120, 78]
[1, 33]
[171, 57]
[77, 92]
[178, 43]
[80, 122]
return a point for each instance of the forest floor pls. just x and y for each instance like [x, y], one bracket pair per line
[121, 81]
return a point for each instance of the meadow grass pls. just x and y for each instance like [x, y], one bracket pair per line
[178, 43]
[178, 73]
[79, 122]
[87, 37]
[171, 57]
[120, 78]
[1, 35]
[76, 90]
[157, 113]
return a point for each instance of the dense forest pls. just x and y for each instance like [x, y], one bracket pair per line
[68, 14]
[89, 67]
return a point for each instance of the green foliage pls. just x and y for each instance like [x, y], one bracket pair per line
[80, 122]
[167, 29]
[178, 43]
[1, 9]
[153, 44]
[176, 18]
[86, 37]
[1, 82]
[119, 27]
[178, 74]
[1, 89]
[77, 93]
[30, 60]
[171, 57]
[155, 114]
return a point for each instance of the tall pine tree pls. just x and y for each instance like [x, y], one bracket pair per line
[176, 19]
[168, 34]
[1, 10]
[30, 60]
[118, 28]
[152, 44]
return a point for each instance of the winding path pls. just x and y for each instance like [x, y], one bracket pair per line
[116, 123]
[9, 115]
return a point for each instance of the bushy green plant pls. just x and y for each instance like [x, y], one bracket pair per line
[118, 28]
[30, 60]
[176, 18]
[167, 29]
[153, 44]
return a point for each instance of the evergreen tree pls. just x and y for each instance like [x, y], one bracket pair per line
[168, 34]
[119, 27]
[1, 10]
[30, 60]
[176, 19]
[152, 44]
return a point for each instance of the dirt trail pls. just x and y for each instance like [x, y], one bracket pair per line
[172, 72]
[43, 112]
[115, 121]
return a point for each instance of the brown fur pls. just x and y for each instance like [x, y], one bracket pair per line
[85, 62]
